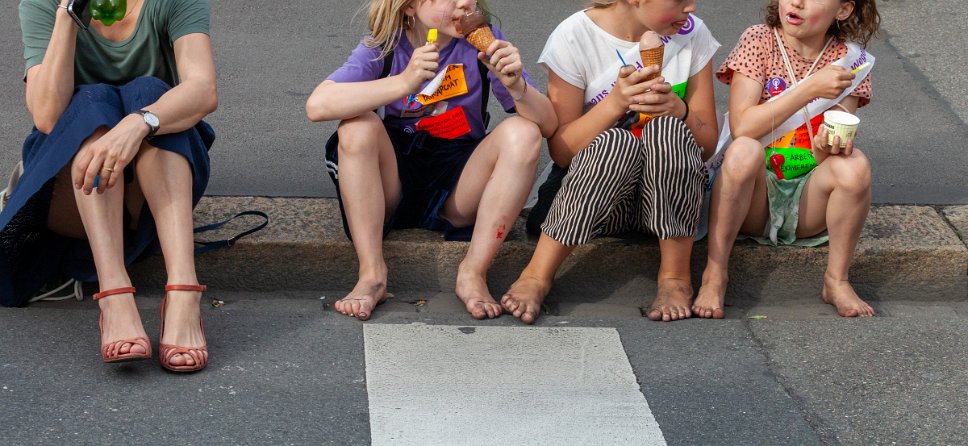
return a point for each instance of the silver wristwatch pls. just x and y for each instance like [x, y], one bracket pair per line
[151, 120]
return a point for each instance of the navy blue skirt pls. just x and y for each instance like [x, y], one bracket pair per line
[30, 254]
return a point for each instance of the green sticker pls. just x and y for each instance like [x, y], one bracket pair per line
[789, 162]
[680, 90]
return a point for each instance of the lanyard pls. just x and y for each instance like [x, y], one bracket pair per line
[793, 75]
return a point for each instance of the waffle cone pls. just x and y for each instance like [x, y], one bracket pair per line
[481, 38]
[652, 56]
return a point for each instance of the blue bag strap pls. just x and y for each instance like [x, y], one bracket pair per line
[210, 245]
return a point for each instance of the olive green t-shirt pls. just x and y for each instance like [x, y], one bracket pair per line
[148, 51]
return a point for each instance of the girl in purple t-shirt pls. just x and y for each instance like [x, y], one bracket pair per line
[411, 148]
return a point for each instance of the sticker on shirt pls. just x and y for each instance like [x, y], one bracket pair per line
[449, 125]
[418, 110]
[449, 83]
[775, 86]
[790, 157]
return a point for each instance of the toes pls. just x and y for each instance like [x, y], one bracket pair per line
[510, 305]
[655, 315]
[477, 310]
[528, 317]
[718, 313]
[493, 310]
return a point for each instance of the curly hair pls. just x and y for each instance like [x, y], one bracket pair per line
[862, 25]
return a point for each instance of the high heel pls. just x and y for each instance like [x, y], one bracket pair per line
[110, 352]
[168, 351]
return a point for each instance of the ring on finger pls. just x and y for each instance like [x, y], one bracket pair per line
[108, 170]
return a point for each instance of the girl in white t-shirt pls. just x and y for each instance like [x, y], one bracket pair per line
[611, 179]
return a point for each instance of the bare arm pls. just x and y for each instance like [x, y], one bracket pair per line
[178, 110]
[505, 63]
[747, 117]
[702, 110]
[332, 101]
[50, 84]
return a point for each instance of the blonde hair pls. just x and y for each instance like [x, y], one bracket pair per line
[386, 20]
[601, 3]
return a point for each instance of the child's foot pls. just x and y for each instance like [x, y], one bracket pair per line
[841, 295]
[712, 295]
[471, 288]
[524, 298]
[363, 299]
[671, 301]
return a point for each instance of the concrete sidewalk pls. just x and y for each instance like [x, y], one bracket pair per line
[905, 253]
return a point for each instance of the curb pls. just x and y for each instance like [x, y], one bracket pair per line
[909, 253]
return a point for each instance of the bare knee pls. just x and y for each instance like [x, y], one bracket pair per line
[520, 141]
[743, 160]
[360, 136]
[853, 173]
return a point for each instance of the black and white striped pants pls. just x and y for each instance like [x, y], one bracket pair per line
[620, 184]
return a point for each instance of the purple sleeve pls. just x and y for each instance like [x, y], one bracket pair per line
[497, 87]
[364, 64]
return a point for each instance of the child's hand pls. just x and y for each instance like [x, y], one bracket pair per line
[422, 67]
[659, 100]
[830, 82]
[821, 149]
[505, 62]
[631, 87]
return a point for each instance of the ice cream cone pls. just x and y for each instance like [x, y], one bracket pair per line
[652, 56]
[481, 38]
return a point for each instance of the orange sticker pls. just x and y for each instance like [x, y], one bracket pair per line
[799, 138]
[450, 125]
[453, 84]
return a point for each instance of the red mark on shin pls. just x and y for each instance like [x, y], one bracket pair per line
[501, 232]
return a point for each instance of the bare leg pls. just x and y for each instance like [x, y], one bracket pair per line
[674, 284]
[739, 203]
[102, 219]
[523, 300]
[837, 197]
[365, 153]
[166, 181]
[490, 193]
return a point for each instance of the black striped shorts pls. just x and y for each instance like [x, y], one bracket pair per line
[621, 183]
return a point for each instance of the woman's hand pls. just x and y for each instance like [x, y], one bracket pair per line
[109, 155]
[505, 62]
[822, 149]
[422, 67]
[829, 82]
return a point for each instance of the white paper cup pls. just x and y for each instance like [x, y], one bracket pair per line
[840, 124]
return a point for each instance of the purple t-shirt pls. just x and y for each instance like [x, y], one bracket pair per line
[445, 114]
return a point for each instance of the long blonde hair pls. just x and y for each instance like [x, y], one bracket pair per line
[386, 20]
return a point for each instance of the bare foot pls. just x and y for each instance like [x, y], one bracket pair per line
[671, 301]
[471, 288]
[841, 295]
[182, 324]
[524, 298]
[120, 320]
[364, 298]
[712, 294]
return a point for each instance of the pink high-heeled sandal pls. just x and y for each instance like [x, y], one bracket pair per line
[168, 351]
[111, 352]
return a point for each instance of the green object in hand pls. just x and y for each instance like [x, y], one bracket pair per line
[108, 11]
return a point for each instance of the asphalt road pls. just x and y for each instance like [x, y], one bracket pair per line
[285, 369]
[913, 131]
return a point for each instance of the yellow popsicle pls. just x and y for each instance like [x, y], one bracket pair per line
[432, 35]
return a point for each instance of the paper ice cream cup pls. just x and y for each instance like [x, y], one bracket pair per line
[840, 124]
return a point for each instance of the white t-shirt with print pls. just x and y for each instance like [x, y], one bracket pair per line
[583, 54]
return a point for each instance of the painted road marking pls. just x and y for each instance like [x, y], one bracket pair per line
[439, 384]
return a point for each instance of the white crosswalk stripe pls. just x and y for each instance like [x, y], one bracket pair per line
[435, 384]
